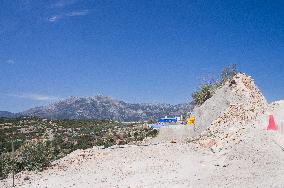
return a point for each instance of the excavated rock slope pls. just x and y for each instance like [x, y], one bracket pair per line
[223, 118]
[238, 101]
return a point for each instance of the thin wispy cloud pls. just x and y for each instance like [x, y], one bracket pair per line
[64, 3]
[33, 96]
[78, 13]
[9, 61]
[55, 18]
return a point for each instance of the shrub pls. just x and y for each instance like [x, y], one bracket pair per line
[152, 133]
[206, 91]
[85, 141]
[33, 155]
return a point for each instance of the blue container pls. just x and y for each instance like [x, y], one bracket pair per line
[168, 120]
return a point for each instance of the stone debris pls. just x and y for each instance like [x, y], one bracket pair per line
[224, 121]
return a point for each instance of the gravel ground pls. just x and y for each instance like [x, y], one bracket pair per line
[258, 161]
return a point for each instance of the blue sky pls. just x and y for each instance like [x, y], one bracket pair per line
[137, 51]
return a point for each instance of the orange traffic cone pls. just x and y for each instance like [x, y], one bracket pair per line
[272, 124]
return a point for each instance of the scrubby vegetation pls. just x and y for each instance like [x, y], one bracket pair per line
[207, 90]
[38, 141]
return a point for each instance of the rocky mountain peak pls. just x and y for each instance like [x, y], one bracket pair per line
[103, 107]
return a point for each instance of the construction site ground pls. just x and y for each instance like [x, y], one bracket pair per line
[257, 161]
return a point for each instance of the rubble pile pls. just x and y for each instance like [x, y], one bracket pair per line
[243, 104]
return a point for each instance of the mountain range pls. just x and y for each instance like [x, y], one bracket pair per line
[102, 107]
[6, 114]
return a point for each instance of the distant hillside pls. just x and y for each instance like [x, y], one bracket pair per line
[6, 114]
[101, 107]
